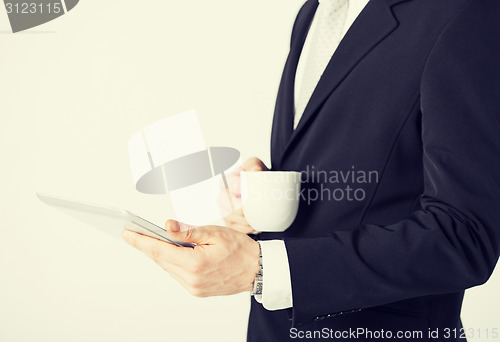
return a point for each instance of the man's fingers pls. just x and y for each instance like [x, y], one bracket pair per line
[224, 202]
[238, 223]
[185, 227]
[233, 180]
[159, 251]
[243, 228]
[183, 267]
[236, 218]
[254, 164]
[199, 235]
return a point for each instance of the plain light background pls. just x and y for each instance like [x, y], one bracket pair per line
[71, 94]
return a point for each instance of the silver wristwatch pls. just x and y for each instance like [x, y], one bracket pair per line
[259, 280]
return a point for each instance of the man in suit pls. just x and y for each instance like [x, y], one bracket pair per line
[412, 94]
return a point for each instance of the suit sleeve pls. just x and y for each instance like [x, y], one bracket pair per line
[452, 241]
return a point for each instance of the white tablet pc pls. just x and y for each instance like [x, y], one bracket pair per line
[110, 220]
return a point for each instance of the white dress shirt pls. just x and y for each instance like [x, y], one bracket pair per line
[277, 285]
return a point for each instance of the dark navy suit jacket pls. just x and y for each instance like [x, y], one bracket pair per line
[412, 93]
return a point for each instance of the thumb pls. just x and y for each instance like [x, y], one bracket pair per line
[254, 164]
[187, 233]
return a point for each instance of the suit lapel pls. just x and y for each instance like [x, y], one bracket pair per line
[374, 23]
[284, 111]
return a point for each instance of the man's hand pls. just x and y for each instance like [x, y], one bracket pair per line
[236, 219]
[223, 262]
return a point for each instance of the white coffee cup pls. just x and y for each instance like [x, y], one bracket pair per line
[270, 199]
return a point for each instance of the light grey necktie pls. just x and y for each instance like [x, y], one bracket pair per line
[326, 35]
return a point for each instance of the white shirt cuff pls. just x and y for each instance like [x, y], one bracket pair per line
[277, 285]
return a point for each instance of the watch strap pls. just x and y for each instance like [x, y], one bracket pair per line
[258, 283]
